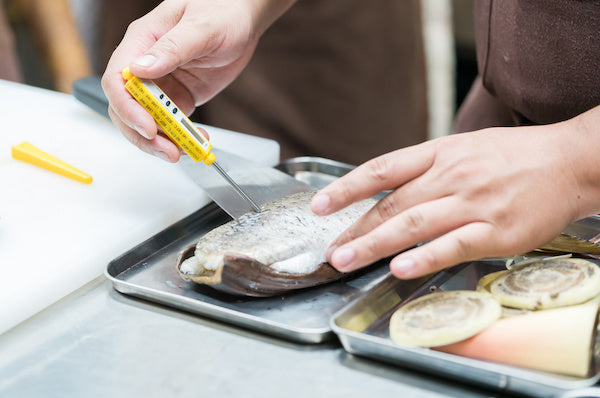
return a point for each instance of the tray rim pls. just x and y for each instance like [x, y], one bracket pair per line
[314, 335]
[510, 378]
[132, 290]
[306, 335]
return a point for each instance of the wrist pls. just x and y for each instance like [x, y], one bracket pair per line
[581, 147]
[265, 12]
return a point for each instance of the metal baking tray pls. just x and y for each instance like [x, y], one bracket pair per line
[363, 328]
[148, 271]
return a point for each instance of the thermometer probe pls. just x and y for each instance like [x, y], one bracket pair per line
[177, 126]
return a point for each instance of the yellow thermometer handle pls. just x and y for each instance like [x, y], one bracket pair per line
[169, 117]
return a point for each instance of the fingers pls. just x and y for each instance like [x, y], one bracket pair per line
[183, 34]
[385, 172]
[396, 202]
[173, 49]
[159, 146]
[180, 45]
[136, 124]
[417, 224]
[470, 242]
[204, 132]
[124, 107]
[177, 92]
[124, 111]
[149, 35]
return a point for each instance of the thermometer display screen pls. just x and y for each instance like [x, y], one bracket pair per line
[193, 131]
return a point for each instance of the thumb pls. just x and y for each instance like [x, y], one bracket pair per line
[175, 48]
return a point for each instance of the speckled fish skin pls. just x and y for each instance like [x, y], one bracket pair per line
[286, 235]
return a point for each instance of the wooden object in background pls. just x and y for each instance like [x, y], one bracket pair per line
[9, 64]
[56, 34]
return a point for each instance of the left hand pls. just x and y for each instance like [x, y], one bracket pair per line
[495, 192]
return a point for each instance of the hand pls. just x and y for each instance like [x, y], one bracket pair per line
[495, 192]
[192, 49]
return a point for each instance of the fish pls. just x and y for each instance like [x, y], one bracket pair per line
[279, 249]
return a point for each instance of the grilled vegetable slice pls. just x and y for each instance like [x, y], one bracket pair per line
[557, 340]
[443, 318]
[548, 284]
[484, 283]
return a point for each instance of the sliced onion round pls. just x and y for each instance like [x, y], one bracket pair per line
[443, 318]
[548, 284]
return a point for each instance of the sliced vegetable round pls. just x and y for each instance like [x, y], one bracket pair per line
[443, 318]
[548, 284]
[483, 285]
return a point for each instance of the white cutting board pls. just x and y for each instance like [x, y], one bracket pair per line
[57, 234]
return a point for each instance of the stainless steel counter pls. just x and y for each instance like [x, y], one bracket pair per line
[99, 343]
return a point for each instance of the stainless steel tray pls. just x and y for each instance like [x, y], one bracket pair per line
[363, 325]
[148, 271]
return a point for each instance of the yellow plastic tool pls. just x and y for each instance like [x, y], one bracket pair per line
[178, 127]
[29, 153]
[171, 120]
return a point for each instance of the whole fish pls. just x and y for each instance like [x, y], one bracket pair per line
[267, 253]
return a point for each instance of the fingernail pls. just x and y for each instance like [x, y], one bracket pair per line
[141, 132]
[343, 257]
[330, 252]
[319, 203]
[404, 266]
[162, 155]
[145, 60]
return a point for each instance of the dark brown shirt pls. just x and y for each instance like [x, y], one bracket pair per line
[341, 79]
[539, 62]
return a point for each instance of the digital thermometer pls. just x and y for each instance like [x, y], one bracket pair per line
[177, 126]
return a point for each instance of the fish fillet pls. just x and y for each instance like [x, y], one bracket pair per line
[286, 240]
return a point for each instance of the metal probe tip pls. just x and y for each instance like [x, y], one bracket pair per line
[237, 188]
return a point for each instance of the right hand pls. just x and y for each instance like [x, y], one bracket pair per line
[491, 193]
[192, 49]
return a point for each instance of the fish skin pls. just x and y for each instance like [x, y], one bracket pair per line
[286, 236]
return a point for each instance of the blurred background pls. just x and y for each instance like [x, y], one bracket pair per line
[320, 71]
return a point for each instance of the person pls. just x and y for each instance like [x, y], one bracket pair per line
[527, 168]
[305, 86]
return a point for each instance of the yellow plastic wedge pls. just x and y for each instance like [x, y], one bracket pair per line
[27, 152]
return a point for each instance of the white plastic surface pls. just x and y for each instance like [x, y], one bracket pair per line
[57, 234]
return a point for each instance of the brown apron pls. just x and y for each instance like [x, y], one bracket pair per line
[342, 79]
[539, 63]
